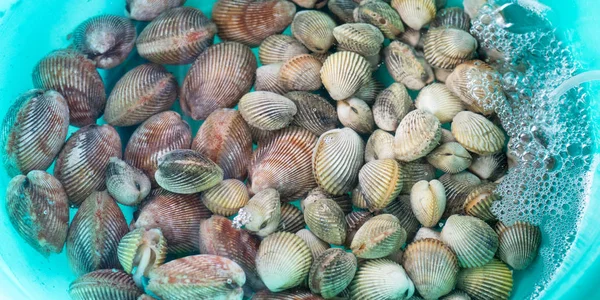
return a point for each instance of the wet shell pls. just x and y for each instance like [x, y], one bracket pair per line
[250, 22]
[380, 182]
[143, 249]
[343, 9]
[94, 234]
[210, 84]
[417, 134]
[337, 159]
[33, 131]
[266, 110]
[432, 267]
[314, 29]
[344, 73]
[139, 94]
[316, 245]
[75, 77]
[406, 67]
[478, 85]
[414, 172]
[176, 36]
[356, 114]
[378, 237]
[321, 56]
[279, 48]
[198, 277]
[344, 200]
[301, 73]
[477, 134]
[490, 167]
[364, 39]
[82, 162]
[379, 146]
[370, 89]
[380, 14]
[412, 38]
[226, 198]
[358, 198]
[457, 186]
[292, 294]
[292, 219]
[105, 39]
[427, 233]
[415, 13]
[144, 10]
[456, 295]
[518, 244]
[473, 241]
[314, 113]
[283, 261]
[491, 281]
[402, 210]
[181, 233]
[267, 79]
[225, 138]
[160, 134]
[354, 221]
[262, 214]
[447, 136]
[38, 209]
[104, 284]
[326, 220]
[450, 158]
[428, 202]
[437, 99]
[391, 106]
[452, 17]
[447, 47]
[331, 272]
[479, 202]
[187, 172]
[126, 184]
[370, 285]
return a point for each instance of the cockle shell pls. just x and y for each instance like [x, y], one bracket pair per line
[489, 167]
[291, 294]
[314, 113]
[326, 220]
[477, 134]
[478, 85]
[457, 186]
[412, 37]
[321, 56]
[210, 84]
[427, 233]
[331, 272]
[301, 73]
[490, 281]
[414, 172]
[402, 210]
[186, 171]
[417, 134]
[453, 17]
[144, 10]
[262, 214]
[142, 249]
[432, 267]
[283, 261]
[344, 73]
[38, 209]
[81, 164]
[267, 79]
[406, 67]
[415, 13]
[250, 22]
[94, 234]
[356, 114]
[266, 110]
[473, 241]
[105, 39]
[518, 244]
[343, 9]
[450, 158]
[378, 237]
[316, 245]
[292, 219]
[380, 182]
[391, 106]
[380, 14]
[33, 131]
[141, 93]
[370, 284]
[75, 77]
[104, 284]
[126, 184]
[428, 202]
[226, 198]
[314, 29]
[364, 39]
[479, 201]
[358, 198]
[447, 47]
[379, 146]
[354, 221]
[447, 136]
[437, 99]
[279, 48]
[198, 277]
[225, 138]
[343, 200]
[370, 89]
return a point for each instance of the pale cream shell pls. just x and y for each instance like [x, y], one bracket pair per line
[428, 202]
[450, 157]
[326, 220]
[380, 145]
[415, 13]
[391, 106]
[378, 237]
[369, 284]
[477, 134]
[344, 73]
[279, 48]
[437, 99]
[380, 182]
[364, 39]
[417, 134]
[447, 47]
[356, 114]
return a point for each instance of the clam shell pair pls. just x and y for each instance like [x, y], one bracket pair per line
[364, 39]
[378, 237]
[518, 244]
[401, 209]
[143, 249]
[344, 73]
[428, 202]
[126, 184]
[316, 245]
[450, 157]
[187, 172]
[331, 272]
[406, 67]
[314, 29]
[447, 47]
[473, 241]
[380, 14]
[279, 48]
[437, 99]
[292, 219]
[417, 135]
[343, 9]
[479, 201]
[266, 110]
[314, 113]
[99, 284]
[380, 145]
[301, 73]
[326, 220]
[415, 13]
[490, 281]
[478, 85]
[262, 214]
[381, 182]
[369, 284]
[356, 114]
[226, 198]
[477, 134]
[143, 10]
[391, 106]
[457, 186]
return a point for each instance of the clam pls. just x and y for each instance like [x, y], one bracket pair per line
[225, 138]
[391, 106]
[142, 249]
[446, 47]
[94, 234]
[292, 219]
[489, 167]
[428, 202]
[301, 73]
[141, 93]
[331, 272]
[415, 13]
[369, 284]
[283, 261]
[267, 79]
[291, 294]
[210, 84]
[370, 89]
[437, 99]
[81, 164]
[355, 221]
[414, 172]
[402, 210]
[450, 158]
[456, 295]
[279, 48]
[250, 22]
[406, 67]
[518, 244]
[457, 186]
[358, 198]
[478, 85]
[105, 39]
[316, 245]
[453, 17]
[314, 29]
[447, 136]
[378, 237]
[75, 77]
[477, 134]
[343, 200]
[473, 241]
[379, 146]
[380, 182]
[262, 214]
[176, 37]
[326, 220]
[313, 113]
[344, 73]
[198, 277]
[356, 114]
[432, 267]
[427, 233]
[101, 284]
[186, 171]
[126, 184]
[417, 134]
[33, 131]
[380, 14]
[364, 39]
[226, 198]
[490, 281]
[479, 201]
[266, 110]
[343, 9]
[143, 10]
[38, 209]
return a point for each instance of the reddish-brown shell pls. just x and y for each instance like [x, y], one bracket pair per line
[104, 284]
[292, 219]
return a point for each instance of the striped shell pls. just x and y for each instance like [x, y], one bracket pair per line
[321, 56]
[370, 89]
[427, 233]
[279, 48]
[428, 202]
[292, 218]
[402, 210]
[364, 39]
[283, 261]
[378, 237]
[94, 234]
[226, 198]
[105, 39]
[477, 134]
[432, 267]
[479, 202]
[38, 209]
[343, 200]
[198, 277]
[450, 158]
[414, 172]
[343, 9]
[457, 186]
[144, 10]
[81, 164]
[354, 221]
[267, 79]
[447, 136]
[225, 138]
[177, 36]
[380, 182]
[301, 73]
[262, 214]
[453, 17]
[446, 47]
[326, 220]
[75, 77]
[382, 15]
[489, 167]
[314, 29]
[379, 146]
[104, 284]
[316, 245]
[142, 249]
[291, 294]
[358, 198]
[412, 37]
[356, 114]
[518, 244]
[406, 67]
[331, 272]
[126, 184]
[344, 73]
[250, 22]
[473, 241]
[33, 131]
[478, 85]
[437, 99]
[187, 172]
[266, 110]
[415, 13]
[391, 106]
[417, 134]
[489, 282]
[210, 84]
[141, 93]
[314, 113]
[259, 135]
[370, 284]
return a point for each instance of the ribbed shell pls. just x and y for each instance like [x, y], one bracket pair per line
[226, 198]
[446, 47]
[33, 131]
[267, 79]
[378, 237]
[279, 48]
[453, 17]
[432, 266]
[326, 220]
[331, 272]
[283, 261]
[38, 209]
[370, 89]
[75, 77]
[518, 244]
[477, 134]
[262, 214]
[250, 22]
[356, 114]
[447, 136]
[406, 67]
[94, 234]
[382, 15]
[344, 73]
[198, 277]
[437, 99]
[414, 172]
[126, 184]
[301, 73]
[141, 93]
[292, 219]
[177, 36]
[479, 202]
[343, 9]
[316, 245]
[381, 182]
[402, 210]
[314, 29]
[457, 186]
[492, 281]
[391, 106]
[354, 221]
[104, 284]
[428, 202]
[314, 113]
[225, 138]
[186, 171]
[415, 13]
[82, 162]
[292, 294]
[158, 135]
[144, 10]
[344, 200]
[266, 110]
[364, 39]
[321, 56]
[427, 233]
[473, 241]
[478, 85]
[139, 243]
[450, 158]
[369, 284]
[417, 134]
[379, 146]
[358, 198]
[456, 295]
[490, 167]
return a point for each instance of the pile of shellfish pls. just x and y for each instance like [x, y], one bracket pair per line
[322, 184]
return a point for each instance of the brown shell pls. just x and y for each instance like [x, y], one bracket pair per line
[406, 67]
[81, 164]
[477, 84]
[401, 208]
[457, 186]
[453, 17]
[415, 13]
[291, 294]
[326, 220]
[314, 29]
[266, 110]
[226, 198]
[316, 245]
[75, 77]
[125, 183]
[292, 219]
[104, 284]
[412, 37]
[344, 73]
[314, 113]
[343, 9]
[391, 106]
[356, 114]
[144, 10]
[354, 221]
[447, 47]
[259, 135]
[301, 73]
[331, 272]
[417, 134]
[279, 48]
[267, 79]
[311, 3]
[380, 145]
